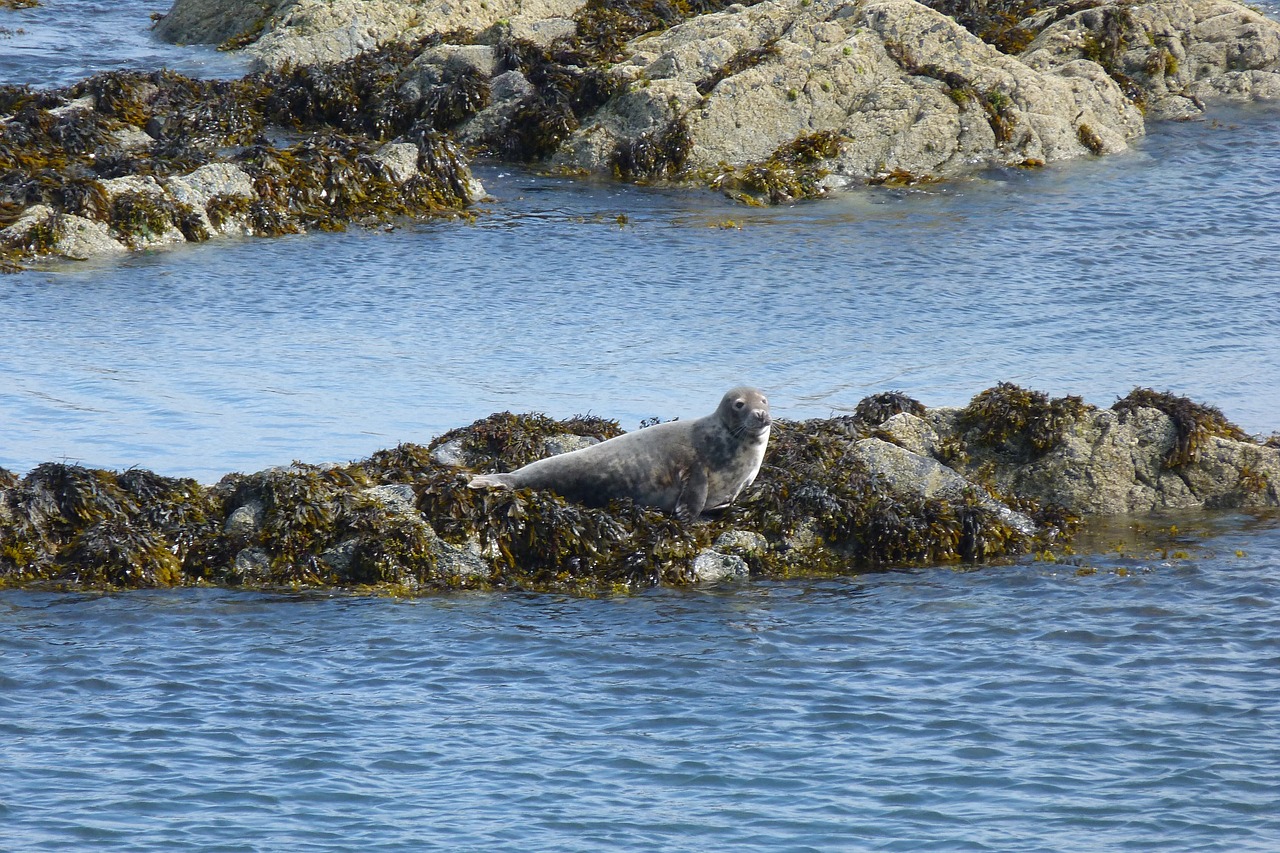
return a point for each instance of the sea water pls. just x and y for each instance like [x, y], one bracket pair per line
[1126, 700]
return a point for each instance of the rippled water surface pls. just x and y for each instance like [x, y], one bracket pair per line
[1021, 708]
[1117, 703]
[1159, 267]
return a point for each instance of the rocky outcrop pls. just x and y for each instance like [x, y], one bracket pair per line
[896, 484]
[787, 98]
[127, 161]
[1174, 56]
[901, 87]
[305, 32]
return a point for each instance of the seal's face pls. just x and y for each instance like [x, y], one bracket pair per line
[745, 411]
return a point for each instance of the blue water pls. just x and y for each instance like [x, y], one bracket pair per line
[1126, 700]
[1159, 267]
[1020, 708]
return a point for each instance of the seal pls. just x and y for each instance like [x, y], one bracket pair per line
[684, 468]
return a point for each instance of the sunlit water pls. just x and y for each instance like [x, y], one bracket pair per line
[1021, 708]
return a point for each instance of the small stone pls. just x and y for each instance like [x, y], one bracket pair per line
[713, 567]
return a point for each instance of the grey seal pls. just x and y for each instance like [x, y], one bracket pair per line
[681, 467]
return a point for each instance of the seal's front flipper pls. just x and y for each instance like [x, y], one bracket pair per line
[693, 494]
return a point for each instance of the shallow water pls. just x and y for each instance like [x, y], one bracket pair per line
[1019, 708]
[1160, 268]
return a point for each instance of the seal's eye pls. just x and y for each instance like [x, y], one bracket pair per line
[739, 404]
[763, 401]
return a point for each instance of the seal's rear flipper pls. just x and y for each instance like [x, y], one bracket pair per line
[488, 481]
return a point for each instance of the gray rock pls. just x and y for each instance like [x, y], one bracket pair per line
[396, 497]
[245, 521]
[400, 160]
[1114, 465]
[450, 453]
[1181, 53]
[76, 238]
[880, 73]
[310, 31]
[713, 567]
[742, 542]
[913, 433]
[252, 563]
[567, 442]
[506, 92]
[911, 475]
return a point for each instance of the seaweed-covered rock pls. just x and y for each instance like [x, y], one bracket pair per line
[1173, 56]
[306, 32]
[1009, 473]
[904, 88]
[81, 177]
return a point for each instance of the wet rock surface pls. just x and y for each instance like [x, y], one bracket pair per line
[772, 101]
[367, 111]
[1013, 471]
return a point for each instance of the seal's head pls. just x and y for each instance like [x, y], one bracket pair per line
[745, 412]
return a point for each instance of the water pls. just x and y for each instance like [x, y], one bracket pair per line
[1020, 708]
[1115, 703]
[1159, 267]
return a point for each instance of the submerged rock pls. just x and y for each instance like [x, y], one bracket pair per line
[1011, 472]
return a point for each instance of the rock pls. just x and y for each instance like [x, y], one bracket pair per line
[1111, 464]
[567, 443]
[742, 542]
[713, 567]
[449, 453]
[244, 521]
[323, 31]
[911, 475]
[1178, 54]
[252, 564]
[401, 160]
[507, 92]
[200, 187]
[912, 433]
[71, 237]
[905, 88]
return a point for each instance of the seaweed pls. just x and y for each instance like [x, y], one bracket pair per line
[654, 154]
[506, 441]
[1090, 139]
[791, 173]
[1017, 422]
[463, 93]
[1193, 422]
[1000, 23]
[878, 408]
[119, 553]
[739, 62]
